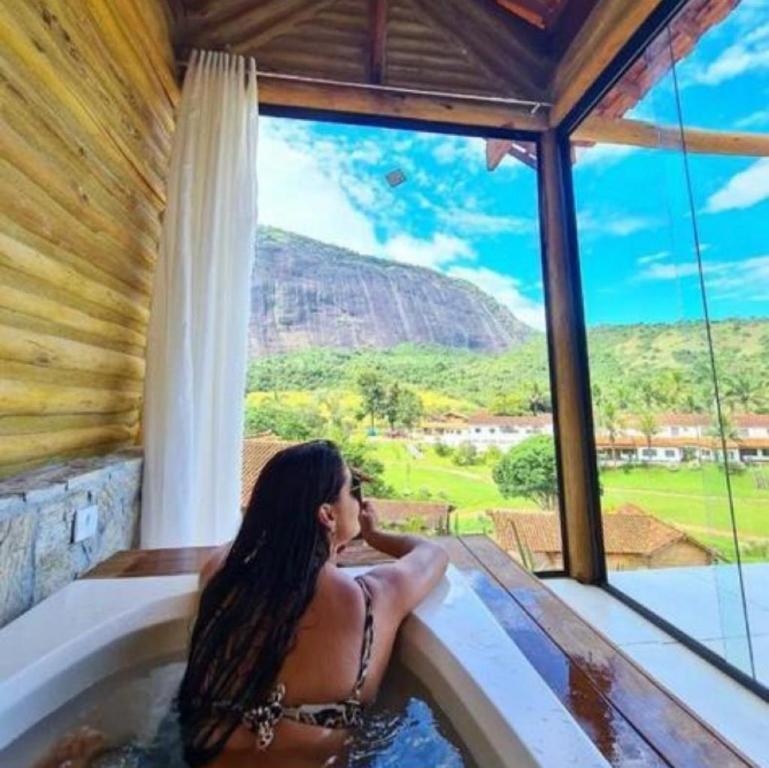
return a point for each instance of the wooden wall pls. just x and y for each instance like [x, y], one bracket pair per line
[87, 113]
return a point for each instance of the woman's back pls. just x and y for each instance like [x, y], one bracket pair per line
[321, 668]
[287, 648]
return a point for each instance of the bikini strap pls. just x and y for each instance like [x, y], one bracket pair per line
[368, 639]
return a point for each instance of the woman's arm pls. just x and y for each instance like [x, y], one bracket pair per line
[420, 564]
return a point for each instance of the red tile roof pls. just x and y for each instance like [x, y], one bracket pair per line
[483, 417]
[436, 515]
[629, 531]
[751, 420]
[257, 451]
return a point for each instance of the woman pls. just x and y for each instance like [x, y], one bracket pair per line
[287, 648]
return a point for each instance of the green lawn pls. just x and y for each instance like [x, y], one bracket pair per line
[696, 497]
[687, 497]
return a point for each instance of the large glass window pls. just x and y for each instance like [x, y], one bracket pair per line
[672, 189]
[397, 308]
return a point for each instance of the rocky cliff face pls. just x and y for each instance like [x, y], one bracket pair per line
[309, 294]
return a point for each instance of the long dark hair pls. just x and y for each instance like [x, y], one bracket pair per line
[250, 609]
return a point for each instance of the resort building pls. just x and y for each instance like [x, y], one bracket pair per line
[485, 430]
[677, 438]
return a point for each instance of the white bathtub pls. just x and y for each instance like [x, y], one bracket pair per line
[94, 629]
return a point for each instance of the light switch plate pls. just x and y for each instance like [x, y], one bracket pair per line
[86, 523]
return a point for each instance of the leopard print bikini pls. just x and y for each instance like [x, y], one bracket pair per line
[262, 720]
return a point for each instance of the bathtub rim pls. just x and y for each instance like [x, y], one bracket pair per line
[106, 626]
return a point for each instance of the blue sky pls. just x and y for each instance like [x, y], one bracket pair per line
[635, 221]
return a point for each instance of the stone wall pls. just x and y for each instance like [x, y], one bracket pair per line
[37, 515]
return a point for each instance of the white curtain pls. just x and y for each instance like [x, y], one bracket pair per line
[197, 339]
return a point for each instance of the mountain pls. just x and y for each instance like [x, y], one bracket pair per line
[306, 294]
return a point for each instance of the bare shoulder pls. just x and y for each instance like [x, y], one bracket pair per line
[398, 587]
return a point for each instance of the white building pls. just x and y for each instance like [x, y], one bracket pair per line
[484, 430]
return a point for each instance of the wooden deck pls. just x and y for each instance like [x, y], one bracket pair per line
[629, 717]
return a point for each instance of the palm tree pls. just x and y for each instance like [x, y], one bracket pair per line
[741, 389]
[647, 423]
[612, 422]
[674, 384]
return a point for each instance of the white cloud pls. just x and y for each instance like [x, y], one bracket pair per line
[506, 290]
[743, 190]
[305, 188]
[746, 279]
[601, 155]
[761, 117]
[668, 271]
[652, 257]
[436, 252]
[448, 150]
[479, 223]
[613, 223]
[750, 53]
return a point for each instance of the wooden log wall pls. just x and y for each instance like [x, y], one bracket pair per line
[87, 104]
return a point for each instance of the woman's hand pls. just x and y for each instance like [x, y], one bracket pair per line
[368, 520]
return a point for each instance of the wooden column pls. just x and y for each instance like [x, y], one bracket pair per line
[569, 369]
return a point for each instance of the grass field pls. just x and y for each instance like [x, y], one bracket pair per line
[694, 499]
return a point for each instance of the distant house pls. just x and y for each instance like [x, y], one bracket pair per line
[674, 450]
[633, 539]
[484, 429]
[432, 517]
[752, 425]
[671, 425]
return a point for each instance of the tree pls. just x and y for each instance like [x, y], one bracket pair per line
[288, 422]
[401, 407]
[647, 423]
[538, 400]
[391, 405]
[358, 454]
[410, 409]
[611, 421]
[373, 394]
[528, 469]
[742, 390]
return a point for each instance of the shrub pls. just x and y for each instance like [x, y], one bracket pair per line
[465, 454]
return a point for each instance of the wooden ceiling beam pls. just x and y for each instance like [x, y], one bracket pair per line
[532, 12]
[637, 133]
[607, 29]
[496, 151]
[525, 153]
[502, 54]
[256, 25]
[303, 93]
[378, 40]
[566, 23]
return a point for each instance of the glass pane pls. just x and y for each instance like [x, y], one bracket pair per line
[723, 87]
[397, 308]
[668, 506]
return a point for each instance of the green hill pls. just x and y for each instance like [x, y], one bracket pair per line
[636, 366]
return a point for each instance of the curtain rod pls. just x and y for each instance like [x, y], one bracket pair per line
[533, 105]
